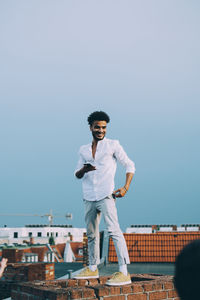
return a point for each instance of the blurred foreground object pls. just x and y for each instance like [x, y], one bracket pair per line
[187, 271]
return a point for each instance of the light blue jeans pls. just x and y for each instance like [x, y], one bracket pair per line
[93, 211]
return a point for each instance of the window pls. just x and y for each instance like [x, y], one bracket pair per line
[47, 233]
[39, 234]
[30, 234]
[30, 257]
[15, 235]
[80, 251]
[56, 233]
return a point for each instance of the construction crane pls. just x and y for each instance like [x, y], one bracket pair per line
[49, 215]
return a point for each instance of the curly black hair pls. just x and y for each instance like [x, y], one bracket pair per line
[98, 116]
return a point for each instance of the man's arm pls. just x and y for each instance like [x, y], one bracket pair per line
[128, 164]
[3, 266]
[121, 192]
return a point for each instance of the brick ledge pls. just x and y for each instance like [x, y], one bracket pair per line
[143, 287]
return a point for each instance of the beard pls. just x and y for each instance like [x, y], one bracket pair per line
[96, 137]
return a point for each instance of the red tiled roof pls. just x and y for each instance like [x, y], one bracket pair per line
[57, 253]
[61, 248]
[75, 248]
[57, 249]
[154, 247]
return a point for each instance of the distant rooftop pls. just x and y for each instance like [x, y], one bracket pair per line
[164, 225]
[147, 228]
[47, 225]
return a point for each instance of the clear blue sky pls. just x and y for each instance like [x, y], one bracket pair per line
[137, 60]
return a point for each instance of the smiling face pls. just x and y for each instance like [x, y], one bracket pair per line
[98, 129]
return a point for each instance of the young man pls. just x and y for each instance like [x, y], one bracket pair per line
[97, 167]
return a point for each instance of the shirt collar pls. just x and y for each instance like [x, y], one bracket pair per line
[100, 142]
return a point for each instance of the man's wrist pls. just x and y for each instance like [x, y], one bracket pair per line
[125, 189]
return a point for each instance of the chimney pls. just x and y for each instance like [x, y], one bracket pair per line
[31, 240]
[174, 227]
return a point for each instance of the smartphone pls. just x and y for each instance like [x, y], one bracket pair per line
[88, 165]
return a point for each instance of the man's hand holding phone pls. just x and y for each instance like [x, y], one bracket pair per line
[88, 167]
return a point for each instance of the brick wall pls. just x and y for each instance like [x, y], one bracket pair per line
[5, 289]
[29, 271]
[143, 287]
[15, 273]
[14, 255]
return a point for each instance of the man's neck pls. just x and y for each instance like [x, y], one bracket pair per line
[94, 142]
[94, 147]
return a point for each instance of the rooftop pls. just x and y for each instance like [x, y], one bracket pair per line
[154, 247]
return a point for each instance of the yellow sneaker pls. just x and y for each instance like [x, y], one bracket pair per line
[119, 278]
[87, 274]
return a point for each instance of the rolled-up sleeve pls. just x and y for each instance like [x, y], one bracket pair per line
[123, 158]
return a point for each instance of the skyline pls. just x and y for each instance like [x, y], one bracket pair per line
[139, 62]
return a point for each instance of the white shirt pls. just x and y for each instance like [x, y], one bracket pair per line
[99, 183]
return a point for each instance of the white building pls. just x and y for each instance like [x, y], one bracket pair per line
[139, 229]
[40, 234]
[162, 228]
